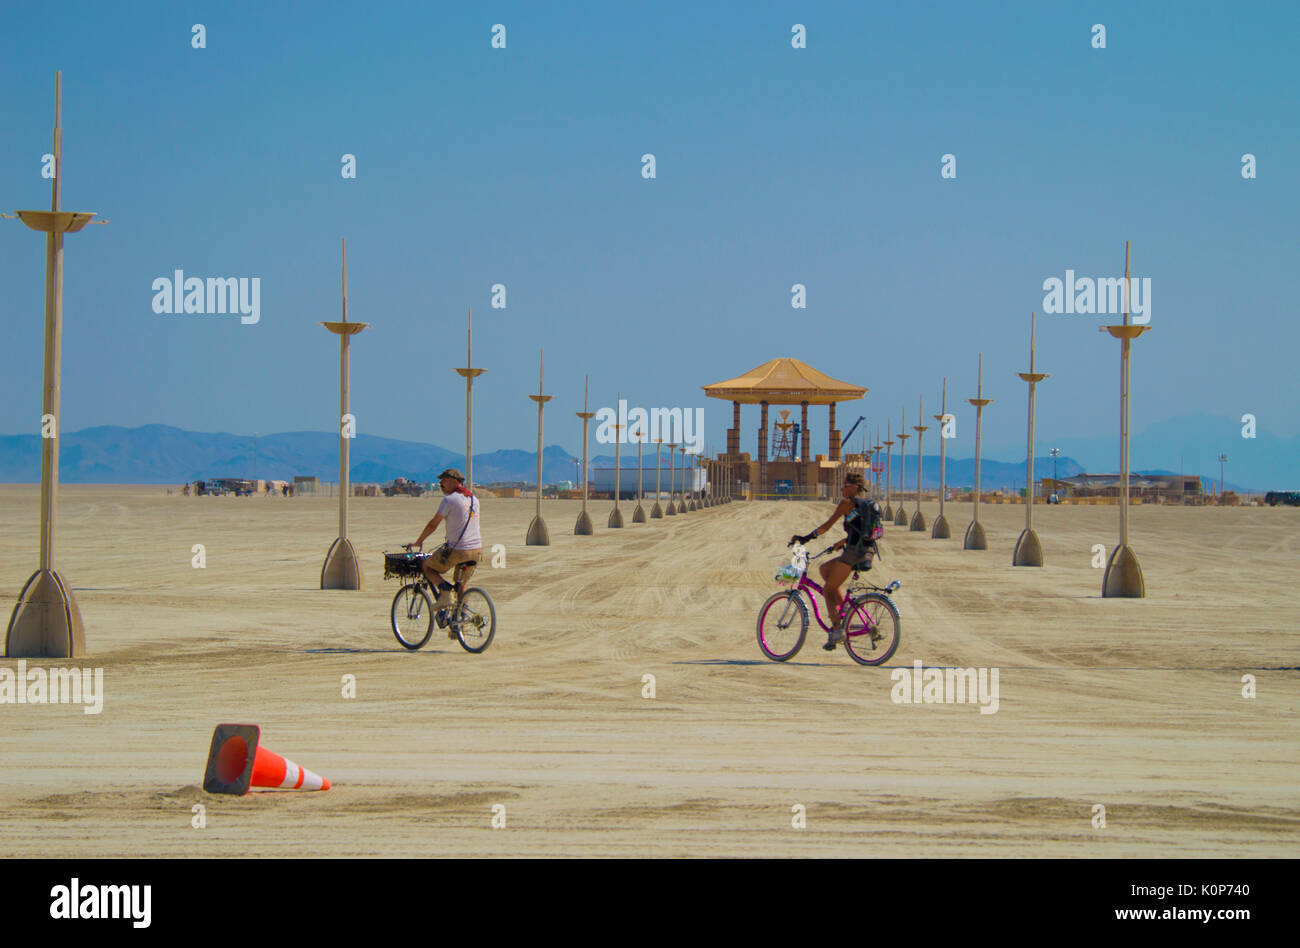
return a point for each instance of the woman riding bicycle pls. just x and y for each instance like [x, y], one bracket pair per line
[861, 516]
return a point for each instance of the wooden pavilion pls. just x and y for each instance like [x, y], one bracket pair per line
[786, 382]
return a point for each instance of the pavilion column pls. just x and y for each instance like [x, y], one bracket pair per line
[762, 451]
[804, 441]
[833, 437]
[733, 433]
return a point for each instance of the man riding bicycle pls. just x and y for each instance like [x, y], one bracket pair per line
[464, 544]
[862, 518]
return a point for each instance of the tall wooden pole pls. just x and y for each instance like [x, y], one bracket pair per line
[975, 539]
[46, 621]
[941, 530]
[538, 535]
[584, 527]
[469, 373]
[638, 515]
[616, 515]
[1029, 551]
[918, 518]
[342, 567]
[1124, 572]
[900, 515]
[889, 471]
[672, 480]
[657, 512]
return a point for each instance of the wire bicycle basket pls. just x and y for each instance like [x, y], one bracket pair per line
[403, 565]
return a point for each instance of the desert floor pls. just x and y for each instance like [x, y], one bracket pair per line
[1136, 705]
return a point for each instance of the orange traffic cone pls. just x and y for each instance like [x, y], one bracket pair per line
[236, 762]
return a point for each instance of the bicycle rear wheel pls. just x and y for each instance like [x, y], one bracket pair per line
[872, 629]
[412, 616]
[782, 625]
[475, 620]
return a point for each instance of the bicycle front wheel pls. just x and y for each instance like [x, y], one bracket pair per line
[782, 625]
[872, 629]
[475, 620]
[412, 616]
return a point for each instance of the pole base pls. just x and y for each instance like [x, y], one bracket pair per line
[900, 517]
[638, 515]
[940, 530]
[1029, 552]
[538, 535]
[671, 511]
[974, 539]
[583, 528]
[342, 569]
[918, 521]
[692, 506]
[1123, 577]
[615, 519]
[889, 513]
[656, 512]
[46, 622]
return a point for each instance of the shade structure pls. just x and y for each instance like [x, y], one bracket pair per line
[784, 381]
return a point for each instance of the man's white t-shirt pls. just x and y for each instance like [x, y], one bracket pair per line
[455, 508]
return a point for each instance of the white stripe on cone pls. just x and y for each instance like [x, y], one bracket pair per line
[292, 775]
[309, 780]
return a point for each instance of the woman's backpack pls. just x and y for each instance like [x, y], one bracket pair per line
[864, 523]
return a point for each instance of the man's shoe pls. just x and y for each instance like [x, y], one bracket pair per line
[836, 636]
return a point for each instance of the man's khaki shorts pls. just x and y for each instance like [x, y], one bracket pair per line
[443, 561]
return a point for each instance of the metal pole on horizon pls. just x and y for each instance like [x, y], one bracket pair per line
[1223, 459]
[46, 622]
[616, 515]
[1029, 552]
[469, 373]
[584, 528]
[918, 518]
[657, 512]
[975, 539]
[1124, 577]
[900, 515]
[342, 568]
[538, 535]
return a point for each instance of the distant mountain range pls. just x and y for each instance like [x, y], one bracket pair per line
[160, 454]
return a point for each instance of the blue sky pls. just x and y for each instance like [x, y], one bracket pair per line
[775, 166]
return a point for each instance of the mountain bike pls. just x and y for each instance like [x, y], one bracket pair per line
[869, 617]
[471, 619]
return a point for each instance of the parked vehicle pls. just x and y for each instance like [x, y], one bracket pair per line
[401, 485]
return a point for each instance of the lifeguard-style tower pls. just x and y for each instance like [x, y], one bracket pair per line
[785, 382]
[784, 440]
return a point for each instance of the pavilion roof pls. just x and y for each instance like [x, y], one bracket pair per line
[784, 382]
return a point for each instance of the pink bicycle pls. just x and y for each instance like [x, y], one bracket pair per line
[870, 618]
